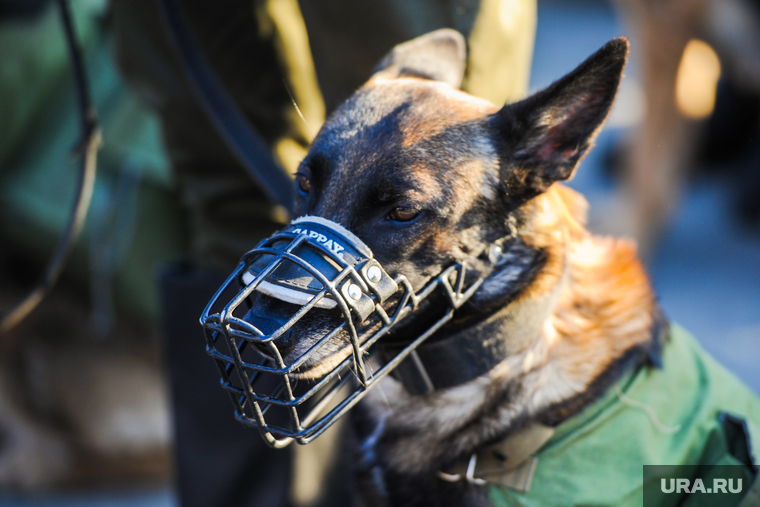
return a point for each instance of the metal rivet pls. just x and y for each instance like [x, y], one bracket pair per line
[354, 292]
[374, 274]
[495, 254]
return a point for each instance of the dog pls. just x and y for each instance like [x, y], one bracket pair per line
[428, 176]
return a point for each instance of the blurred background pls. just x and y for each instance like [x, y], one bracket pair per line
[88, 415]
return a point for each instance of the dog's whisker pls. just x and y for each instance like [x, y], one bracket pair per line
[298, 110]
[379, 386]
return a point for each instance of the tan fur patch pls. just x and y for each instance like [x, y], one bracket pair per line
[437, 106]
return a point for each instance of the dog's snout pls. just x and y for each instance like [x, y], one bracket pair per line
[269, 315]
[286, 344]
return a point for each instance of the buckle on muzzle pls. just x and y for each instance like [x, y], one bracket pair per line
[313, 273]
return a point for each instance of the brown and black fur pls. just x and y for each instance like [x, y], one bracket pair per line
[409, 143]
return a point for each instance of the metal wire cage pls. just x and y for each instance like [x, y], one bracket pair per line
[263, 383]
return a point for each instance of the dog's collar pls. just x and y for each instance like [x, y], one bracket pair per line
[508, 463]
[475, 350]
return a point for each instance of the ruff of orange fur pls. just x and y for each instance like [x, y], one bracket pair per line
[606, 306]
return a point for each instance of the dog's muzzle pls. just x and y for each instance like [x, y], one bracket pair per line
[314, 271]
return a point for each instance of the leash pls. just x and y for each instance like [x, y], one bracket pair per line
[232, 126]
[88, 146]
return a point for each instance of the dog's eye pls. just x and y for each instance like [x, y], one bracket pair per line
[304, 183]
[403, 214]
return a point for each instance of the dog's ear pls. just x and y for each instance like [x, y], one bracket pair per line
[542, 139]
[438, 55]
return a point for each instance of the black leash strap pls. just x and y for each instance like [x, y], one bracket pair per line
[88, 147]
[227, 118]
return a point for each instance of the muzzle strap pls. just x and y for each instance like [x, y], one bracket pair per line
[330, 247]
[474, 351]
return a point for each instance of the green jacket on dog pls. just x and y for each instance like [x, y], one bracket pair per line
[699, 414]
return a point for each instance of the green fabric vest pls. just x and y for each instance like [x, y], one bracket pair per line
[597, 457]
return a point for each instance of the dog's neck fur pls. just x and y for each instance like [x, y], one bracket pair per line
[602, 323]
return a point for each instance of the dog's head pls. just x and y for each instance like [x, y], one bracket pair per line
[427, 175]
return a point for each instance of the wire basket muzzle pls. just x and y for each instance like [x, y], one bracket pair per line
[312, 266]
[311, 298]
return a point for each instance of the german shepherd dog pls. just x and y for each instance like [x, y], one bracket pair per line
[425, 175]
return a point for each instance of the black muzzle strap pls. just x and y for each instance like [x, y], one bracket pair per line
[291, 283]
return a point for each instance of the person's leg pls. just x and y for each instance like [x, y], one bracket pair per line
[227, 213]
[501, 50]
[219, 461]
[349, 38]
[656, 165]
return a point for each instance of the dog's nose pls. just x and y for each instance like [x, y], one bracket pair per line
[269, 315]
